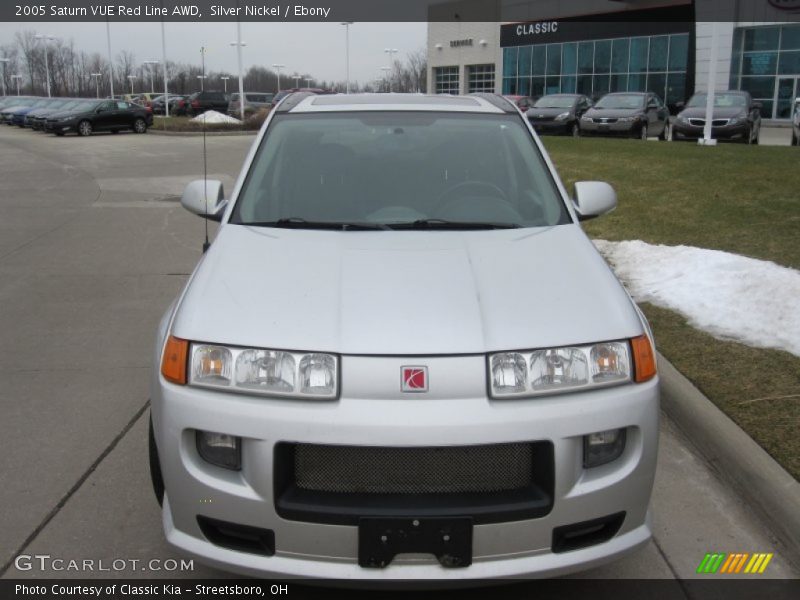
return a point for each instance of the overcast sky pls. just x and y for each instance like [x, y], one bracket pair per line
[314, 48]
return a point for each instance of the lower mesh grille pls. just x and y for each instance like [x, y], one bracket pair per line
[417, 470]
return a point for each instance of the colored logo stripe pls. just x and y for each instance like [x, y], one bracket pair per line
[735, 562]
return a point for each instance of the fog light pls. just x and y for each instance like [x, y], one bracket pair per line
[220, 449]
[603, 447]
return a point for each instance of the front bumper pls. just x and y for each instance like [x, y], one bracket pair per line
[621, 128]
[685, 131]
[366, 416]
[59, 127]
[552, 127]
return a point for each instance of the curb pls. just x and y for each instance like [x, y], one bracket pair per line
[199, 133]
[755, 475]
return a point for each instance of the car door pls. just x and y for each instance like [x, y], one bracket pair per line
[104, 116]
[124, 116]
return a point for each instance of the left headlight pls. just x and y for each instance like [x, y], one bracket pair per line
[261, 371]
[550, 370]
[562, 116]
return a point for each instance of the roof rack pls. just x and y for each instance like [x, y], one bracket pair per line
[497, 100]
[293, 100]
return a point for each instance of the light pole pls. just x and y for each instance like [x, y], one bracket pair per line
[386, 76]
[391, 52]
[4, 61]
[131, 78]
[110, 62]
[239, 45]
[151, 63]
[201, 78]
[308, 82]
[46, 38]
[225, 79]
[97, 83]
[347, 55]
[164, 61]
[297, 79]
[278, 68]
[17, 77]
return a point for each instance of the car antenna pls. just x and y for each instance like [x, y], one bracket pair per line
[206, 245]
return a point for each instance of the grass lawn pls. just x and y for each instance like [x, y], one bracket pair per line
[736, 198]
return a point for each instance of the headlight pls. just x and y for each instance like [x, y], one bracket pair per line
[562, 116]
[682, 119]
[519, 374]
[62, 119]
[734, 121]
[586, 118]
[260, 371]
[626, 119]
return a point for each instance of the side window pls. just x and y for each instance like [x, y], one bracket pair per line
[105, 106]
[122, 105]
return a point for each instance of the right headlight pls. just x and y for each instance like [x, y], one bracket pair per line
[267, 372]
[569, 368]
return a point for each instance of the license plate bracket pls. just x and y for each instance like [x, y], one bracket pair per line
[449, 539]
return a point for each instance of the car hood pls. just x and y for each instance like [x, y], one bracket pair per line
[546, 112]
[614, 113]
[64, 113]
[12, 109]
[404, 293]
[718, 113]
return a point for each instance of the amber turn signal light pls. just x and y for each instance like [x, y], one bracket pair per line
[644, 359]
[173, 361]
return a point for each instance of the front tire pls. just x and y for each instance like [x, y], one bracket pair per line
[575, 131]
[139, 126]
[643, 133]
[666, 135]
[795, 140]
[155, 466]
[84, 128]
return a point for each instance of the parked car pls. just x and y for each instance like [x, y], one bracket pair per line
[630, 114]
[100, 115]
[200, 102]
[159, 104]
[35, 119]
[796, 123]
[558, 113]
[524, 102]
[433, 389]
[253, 102]
[735, 117]
[17, 117]
[18, 103]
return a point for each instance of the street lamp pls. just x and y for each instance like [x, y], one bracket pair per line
[17, 77]
[110, 60]
[4, 61]
[308, 82]
[201, 78]
[347, 54]
[239, 45]
[131, 78]
[46, 38]
[297, 79]
[225, 79]
[97, 83]
[151, 63]
[278, 68]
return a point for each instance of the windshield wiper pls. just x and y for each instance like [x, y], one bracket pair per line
[444, 224]
[300, 223]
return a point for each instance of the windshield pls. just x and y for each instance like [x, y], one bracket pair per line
[621, 101]
[555, 102]
[390, 168]
[720, 101]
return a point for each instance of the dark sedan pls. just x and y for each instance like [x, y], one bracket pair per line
[796, 123]
[37, 118]
[558, 113]
[629, 114]
[734, 117]
[101, 115]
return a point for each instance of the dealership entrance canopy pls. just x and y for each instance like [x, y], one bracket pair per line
[594, 47]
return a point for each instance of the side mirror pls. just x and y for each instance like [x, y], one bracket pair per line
[593, 198]
[205, 195]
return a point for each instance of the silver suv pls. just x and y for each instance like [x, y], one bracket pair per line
[253, 102]
[401, 357]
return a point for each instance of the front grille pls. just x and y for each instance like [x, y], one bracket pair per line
[714, 123]
[431, 470]
[604, 120]
[541, 119]
[340, 484]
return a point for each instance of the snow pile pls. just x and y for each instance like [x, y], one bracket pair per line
[212, 117]
[730, 296]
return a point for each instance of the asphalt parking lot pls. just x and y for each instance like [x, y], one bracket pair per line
[93, 247]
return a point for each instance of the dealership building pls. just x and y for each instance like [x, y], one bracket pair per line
[592, 47]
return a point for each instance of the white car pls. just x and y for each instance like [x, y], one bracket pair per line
[402, 358]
